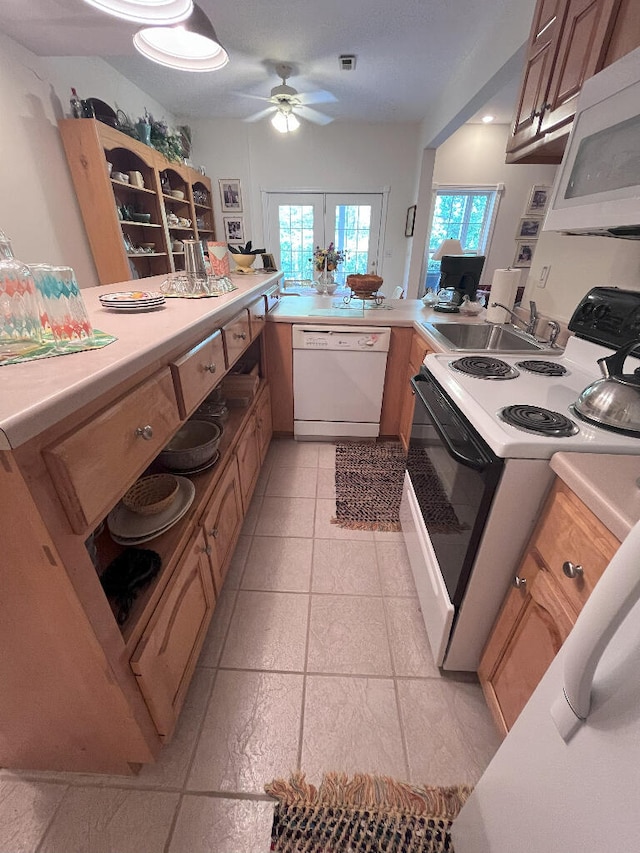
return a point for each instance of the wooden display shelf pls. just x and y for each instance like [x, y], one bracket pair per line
[133, 187]
[146, 255]
[140, 224]
[202, 206]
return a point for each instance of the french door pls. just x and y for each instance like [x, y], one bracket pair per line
[298, 222]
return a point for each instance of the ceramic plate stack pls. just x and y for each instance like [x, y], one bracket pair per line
[132, 300]
[131, 528]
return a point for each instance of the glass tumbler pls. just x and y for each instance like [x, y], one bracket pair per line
[63, 308]
[20, 326]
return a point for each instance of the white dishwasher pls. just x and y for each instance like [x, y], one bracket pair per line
[338, 380]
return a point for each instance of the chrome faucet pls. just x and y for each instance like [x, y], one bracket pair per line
[530, 327]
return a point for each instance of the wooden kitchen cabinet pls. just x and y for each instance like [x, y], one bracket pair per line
[264, 422]
[566, 555]
[222, 521]
[570, 41]
[419, 349]
[198, 371]
[237, 336]
[165, 657]
[89, 144]
[248, 460]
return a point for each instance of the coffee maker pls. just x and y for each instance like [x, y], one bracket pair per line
[459, 277]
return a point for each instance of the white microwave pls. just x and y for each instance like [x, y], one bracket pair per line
[597, 186]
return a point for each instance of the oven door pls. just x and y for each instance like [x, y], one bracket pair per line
[452, 476]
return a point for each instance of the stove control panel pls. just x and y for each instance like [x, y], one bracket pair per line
[608, 316]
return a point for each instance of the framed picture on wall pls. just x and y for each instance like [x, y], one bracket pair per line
[538, 200]
[524, 253]
[529, 228]
[233, 229]
[230, 195]
[411, 221]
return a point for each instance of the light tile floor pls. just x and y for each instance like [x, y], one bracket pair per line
[317, 659]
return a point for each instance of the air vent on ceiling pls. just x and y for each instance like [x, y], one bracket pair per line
[347, 63]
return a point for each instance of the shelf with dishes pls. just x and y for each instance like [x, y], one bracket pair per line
[125, 185]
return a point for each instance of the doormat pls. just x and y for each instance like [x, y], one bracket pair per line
[369, 479]
[362, 814]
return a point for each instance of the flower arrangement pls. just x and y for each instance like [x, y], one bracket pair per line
[165, 140]
[329, 258]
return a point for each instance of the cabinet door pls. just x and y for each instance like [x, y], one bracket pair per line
[581, 54]
[543, 42]
[197, 372]
[248, 452]
[264, 422]
[532, 626]
[221, 522]
[419, 349]
[166, 655]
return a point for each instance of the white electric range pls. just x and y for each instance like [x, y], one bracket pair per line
[475, 482]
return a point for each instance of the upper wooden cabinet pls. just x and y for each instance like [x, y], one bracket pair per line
[112, 209]
[570, 41]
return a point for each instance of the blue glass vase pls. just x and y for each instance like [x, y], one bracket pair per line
[143, 129]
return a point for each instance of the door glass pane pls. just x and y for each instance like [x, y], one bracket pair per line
[353, 235]
[296, 240]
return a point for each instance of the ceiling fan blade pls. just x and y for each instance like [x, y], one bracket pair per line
[313, 115]
[253, 97]
[319, 97]
[259, 115]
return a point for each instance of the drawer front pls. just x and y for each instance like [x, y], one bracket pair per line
[571, 533]
[272, 297]
[93, 467]
[236, 336]
[256, 316]
[197, 372]
[166, 655]
[222, 521]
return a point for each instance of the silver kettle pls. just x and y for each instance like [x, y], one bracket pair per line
[613, 402]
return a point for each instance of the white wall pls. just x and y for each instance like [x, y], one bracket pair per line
[340, 157]
[475, 154]
[38, 207]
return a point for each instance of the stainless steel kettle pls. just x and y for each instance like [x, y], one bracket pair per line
[613, 402]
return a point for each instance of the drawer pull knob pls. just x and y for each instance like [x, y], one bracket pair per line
[571, 570]
[145, 432]
[214, 532]
[208, 549]
[210, 367]
[518, 582]
[242, 336]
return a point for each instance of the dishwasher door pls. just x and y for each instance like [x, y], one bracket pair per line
[338, 380]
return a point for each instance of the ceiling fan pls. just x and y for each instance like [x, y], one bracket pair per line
[287, 104]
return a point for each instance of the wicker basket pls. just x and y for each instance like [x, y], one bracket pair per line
[150, 495]
[364, 285]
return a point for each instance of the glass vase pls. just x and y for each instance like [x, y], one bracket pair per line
[324, 282]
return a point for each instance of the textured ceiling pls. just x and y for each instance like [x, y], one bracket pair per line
[406, 52]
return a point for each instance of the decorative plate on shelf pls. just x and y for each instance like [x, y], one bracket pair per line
[130, 528]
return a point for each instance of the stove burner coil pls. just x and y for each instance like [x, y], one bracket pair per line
[542, 368]
[484, 367]
[537, 420]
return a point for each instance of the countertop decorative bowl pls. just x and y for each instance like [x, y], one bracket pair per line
[364, 285]
[245, 262]
[195, 444]
[150, 495]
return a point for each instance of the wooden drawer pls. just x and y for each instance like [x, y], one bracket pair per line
[419, 348]
[93, 467]
[237, 336]
[221, 522]
[570, 532]
[197, 372]
[166, 655]
[272, 297]
[257, 313]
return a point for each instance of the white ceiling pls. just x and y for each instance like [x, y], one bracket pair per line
[406, 52]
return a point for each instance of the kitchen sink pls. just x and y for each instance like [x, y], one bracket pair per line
[486, 336]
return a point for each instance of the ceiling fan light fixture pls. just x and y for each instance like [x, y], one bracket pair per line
[161, 12]
[190, 46]
[285, 121]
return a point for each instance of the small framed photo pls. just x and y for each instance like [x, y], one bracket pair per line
[230, 195]
[411, 221]
[529, 228]
[268, 262]
[538, 200]
[233, 229]
[524, 253]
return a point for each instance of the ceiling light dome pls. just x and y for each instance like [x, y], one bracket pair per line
[146, 11]
[190, 46]
[284, 120]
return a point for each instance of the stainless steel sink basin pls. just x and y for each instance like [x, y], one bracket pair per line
[483, 336]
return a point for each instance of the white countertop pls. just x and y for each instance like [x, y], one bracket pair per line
[37, 394]
[608, 484]
[332, 309]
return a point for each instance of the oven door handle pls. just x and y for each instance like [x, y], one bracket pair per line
[476, 464]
